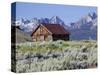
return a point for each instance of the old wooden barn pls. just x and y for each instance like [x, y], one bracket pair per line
[47, 32]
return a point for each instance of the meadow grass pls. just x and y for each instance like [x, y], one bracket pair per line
[56, 55]
[52, 45]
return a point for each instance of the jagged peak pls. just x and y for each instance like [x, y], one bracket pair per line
[55, 17]
[93, 15]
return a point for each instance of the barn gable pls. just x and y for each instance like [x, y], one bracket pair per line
[41, 33]
[40, 30]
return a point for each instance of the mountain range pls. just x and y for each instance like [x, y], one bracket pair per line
[83, 29]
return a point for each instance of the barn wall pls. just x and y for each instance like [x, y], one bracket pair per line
[60, 37]
[42, 34]
[49, 38]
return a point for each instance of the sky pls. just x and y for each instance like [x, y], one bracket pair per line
[68, 13]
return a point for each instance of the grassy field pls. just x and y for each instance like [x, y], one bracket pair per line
[57, 55]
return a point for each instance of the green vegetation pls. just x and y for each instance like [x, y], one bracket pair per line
[53, 46]
[56, 55]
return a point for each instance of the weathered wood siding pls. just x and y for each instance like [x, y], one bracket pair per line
[42, 34]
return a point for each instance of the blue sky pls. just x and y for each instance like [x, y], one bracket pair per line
[68, 13]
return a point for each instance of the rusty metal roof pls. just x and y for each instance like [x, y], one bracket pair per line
[56, 28]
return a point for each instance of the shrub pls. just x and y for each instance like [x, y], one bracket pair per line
[57, 55]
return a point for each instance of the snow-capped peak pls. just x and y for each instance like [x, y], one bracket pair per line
[86, 22]
[56, 20]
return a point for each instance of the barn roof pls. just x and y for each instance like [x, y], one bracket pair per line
[55, 28]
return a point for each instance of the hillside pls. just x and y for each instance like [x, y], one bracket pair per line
[22, 36]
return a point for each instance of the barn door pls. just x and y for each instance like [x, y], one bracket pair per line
[41, 38]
